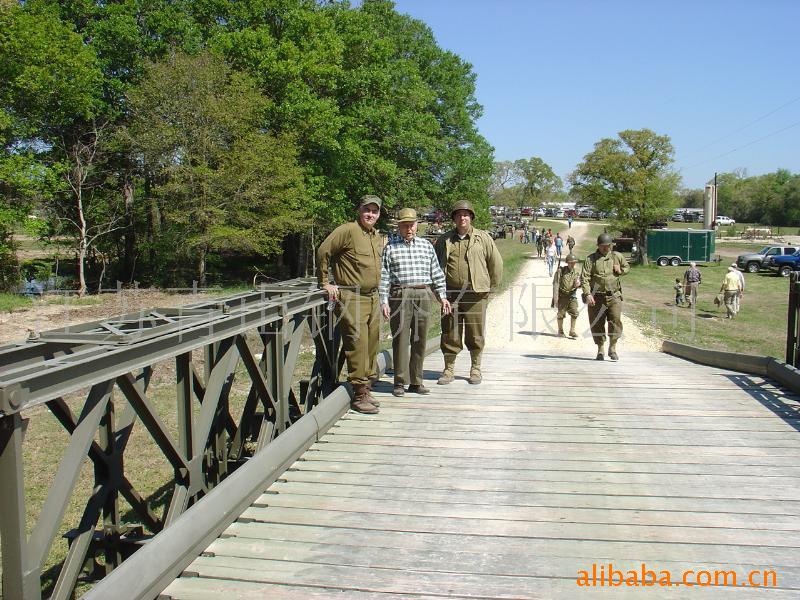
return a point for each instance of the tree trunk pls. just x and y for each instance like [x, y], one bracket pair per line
[201, 267]
[128, 260]
[642, 244]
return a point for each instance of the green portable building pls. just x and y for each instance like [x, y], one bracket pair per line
[676, 246]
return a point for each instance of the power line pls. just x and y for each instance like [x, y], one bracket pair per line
[742, 128]
[777, 131]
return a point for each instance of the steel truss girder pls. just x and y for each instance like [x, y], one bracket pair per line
[207, 444]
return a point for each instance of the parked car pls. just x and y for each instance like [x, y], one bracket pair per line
[753, 263]
[657, 225]
[785, 263]
[585, 213]
[722, 220]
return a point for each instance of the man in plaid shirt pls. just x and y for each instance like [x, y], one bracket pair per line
[410, 268]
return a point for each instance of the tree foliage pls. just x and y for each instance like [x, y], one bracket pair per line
[631, 177]
[345, 101]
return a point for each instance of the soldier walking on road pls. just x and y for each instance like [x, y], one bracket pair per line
[473, 266]
[349, 271]
[570, 243]
[602, 294]
[410, 268]
[566, 283]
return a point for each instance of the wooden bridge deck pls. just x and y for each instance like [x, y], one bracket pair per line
[510, 488]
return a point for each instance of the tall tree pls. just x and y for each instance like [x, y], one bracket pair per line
[539, 182]
[223, 183]
[630, 176]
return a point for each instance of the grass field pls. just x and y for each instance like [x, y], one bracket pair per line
[12, 302]
[760, 327]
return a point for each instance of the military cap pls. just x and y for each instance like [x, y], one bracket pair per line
[370, 199]
[571, 258]
[407, 215]
[604, 238]
[462, 205]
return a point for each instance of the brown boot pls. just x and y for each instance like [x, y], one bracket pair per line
[572, 333]
[448, 374]
[475, 376]
[561, 328]
[370, 397]
[360, 402]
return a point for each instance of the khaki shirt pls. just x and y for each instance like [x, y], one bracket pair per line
[353, 255]
[476, 261]
[598, 275]
[566, 281]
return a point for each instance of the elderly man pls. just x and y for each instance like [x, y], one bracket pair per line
[731, 286]
[691, 281]
[473, 266]
[349, 271]
[410, 268]
[602, 294]
[737, 303]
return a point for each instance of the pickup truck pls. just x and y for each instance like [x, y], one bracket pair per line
[756, 261]
[785, 264]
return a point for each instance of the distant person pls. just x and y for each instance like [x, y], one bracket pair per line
[741, 289]
[691, 280]
[602, 293]
[559, 244]
[570, 243]
[731, 286]
[569, 223]
[680, 299]
[550, 255]
[566, 283]
[539, 244]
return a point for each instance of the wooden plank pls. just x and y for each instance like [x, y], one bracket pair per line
[698, 553]
[556, 452]
[389, 580]
[531, 514]
[540, 529]
[674, 503]
[665, 489]
[201, 588]
[616, 478]
[514, 463]
[587, 447]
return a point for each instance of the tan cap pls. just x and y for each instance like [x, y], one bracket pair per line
[370, 199]
[407, 215]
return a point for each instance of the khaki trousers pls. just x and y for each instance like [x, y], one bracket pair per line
[411, 310]
[359, 323]
[606, 309]
[467, 322]
[567, 304]
[731, 299]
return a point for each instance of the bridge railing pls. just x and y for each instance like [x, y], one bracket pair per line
[793, 322]
[97, 380]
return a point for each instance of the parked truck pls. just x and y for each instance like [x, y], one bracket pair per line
[676, 246]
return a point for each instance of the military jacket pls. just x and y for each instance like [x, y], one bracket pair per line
[352, 255]
[480, 256]
[598, 277]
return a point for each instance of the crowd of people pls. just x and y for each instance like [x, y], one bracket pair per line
[730, 293]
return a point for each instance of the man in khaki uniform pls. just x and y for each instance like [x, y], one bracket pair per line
[566, 283]
[602, 294]
[473, 266]
[349, 270]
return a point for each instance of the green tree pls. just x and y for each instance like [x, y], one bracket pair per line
[539, 182]
[223, 184]
[630, 176]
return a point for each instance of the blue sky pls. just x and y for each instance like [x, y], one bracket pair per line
[556, 77]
